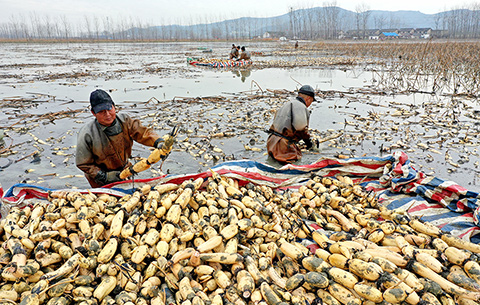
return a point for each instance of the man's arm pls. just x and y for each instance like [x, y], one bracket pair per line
[242, 55]
[305, 136]
[84, 157]
[141, 134]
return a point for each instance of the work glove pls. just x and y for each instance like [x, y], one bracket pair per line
[107, 177]
[314, 148]
[113, 176]
[308, 143]
[312, 145]
[158, 143]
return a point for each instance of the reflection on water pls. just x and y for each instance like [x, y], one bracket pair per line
[245, 74]
[242, 74]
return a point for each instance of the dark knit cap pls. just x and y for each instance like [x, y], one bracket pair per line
[100, 100]
[307, 90]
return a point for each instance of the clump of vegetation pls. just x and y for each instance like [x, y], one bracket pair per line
[433, 67]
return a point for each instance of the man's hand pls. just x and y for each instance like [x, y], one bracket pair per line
[112, 176]
[314, 148]
[107, 177]
[158, 142]
[312, 145]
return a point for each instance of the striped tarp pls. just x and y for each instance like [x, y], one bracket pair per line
[222, 64]
[394, 180]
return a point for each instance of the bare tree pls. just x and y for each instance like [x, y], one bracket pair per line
[309, 26]
[48, 27]
[476, 19]
[379, 21]
[227, 29]
[107, 29]
[96, 26]
[362, 11]
[24, 30]
[452, 22]
[437, 19]
[393, 22]
[293, 22]
[57, 30]
[4, 30]
[88, 27]
[15, 27]
[36, 26]
[331, 19]
[66, 27]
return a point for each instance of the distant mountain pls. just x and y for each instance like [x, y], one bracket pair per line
[312, 23]
[329, 22]
[404, 19]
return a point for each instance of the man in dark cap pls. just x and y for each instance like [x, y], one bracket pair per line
[290, 125]
[104, 145]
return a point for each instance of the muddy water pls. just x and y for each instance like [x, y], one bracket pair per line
[40, 82]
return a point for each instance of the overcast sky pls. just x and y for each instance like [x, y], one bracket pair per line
[158, 12]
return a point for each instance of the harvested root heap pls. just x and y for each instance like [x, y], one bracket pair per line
[213, 242]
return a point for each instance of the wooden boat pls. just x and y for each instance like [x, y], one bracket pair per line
[218, 63]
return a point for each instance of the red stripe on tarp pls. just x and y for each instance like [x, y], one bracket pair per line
[27, 193]
[222, 64]
[403, 157]
[401, 161]
[398, 168]
[461, 206]
[440, 195]
[252, 176]
[422, 207]
[322, 163]
[375, 189]
[456, 188]
[313, 248]
[467, 232]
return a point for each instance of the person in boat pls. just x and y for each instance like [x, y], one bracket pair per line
[245, 55]
[296, 45]
[234, 52]
[290, 125]
[104, 144]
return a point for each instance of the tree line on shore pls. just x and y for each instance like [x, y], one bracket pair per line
[314, 23]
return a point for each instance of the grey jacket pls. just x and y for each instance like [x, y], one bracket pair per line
[292, 117]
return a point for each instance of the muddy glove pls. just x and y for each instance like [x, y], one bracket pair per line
[113, 176]
[107, 177]
[312, 145]
[158, 143]
[308, 143]
[314, 148]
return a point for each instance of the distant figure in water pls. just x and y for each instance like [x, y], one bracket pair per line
[245, 55]
[296, 45]
[234, 52]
